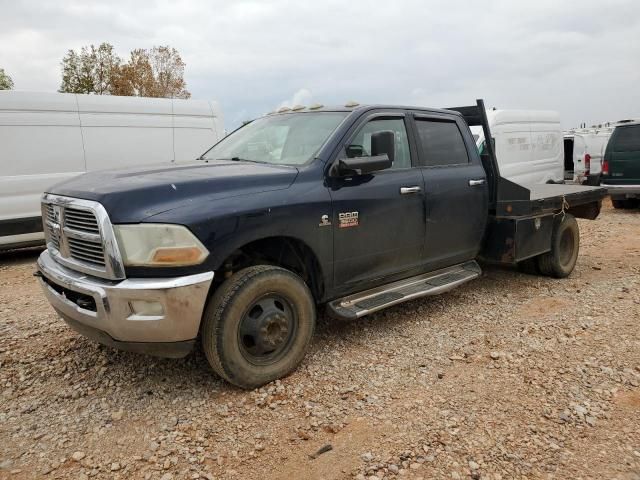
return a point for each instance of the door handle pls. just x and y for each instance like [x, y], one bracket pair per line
[473, 183]
[408, 190]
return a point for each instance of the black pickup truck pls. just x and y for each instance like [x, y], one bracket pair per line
[356, 208]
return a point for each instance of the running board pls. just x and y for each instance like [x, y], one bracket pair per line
[361, 304]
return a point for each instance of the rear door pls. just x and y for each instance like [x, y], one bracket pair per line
[623, 155]
[456, 190]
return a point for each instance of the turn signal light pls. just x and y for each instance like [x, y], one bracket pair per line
[587, 163]
[176, 255]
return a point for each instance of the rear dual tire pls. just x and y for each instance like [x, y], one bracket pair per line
[560, 261]
[258, 325]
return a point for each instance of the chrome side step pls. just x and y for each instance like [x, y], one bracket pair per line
[360, 304]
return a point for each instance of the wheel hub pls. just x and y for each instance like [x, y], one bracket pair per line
[266, 329]
[273, 331]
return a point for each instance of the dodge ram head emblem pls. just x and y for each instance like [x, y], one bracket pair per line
[324, 221]
[348, 219]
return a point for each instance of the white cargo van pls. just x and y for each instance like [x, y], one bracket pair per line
[528, 144]
[583, 153]
[49, 137]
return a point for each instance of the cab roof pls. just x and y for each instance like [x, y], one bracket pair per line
[356, 107]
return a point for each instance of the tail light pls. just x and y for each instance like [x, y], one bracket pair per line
[605, 167]
[587, 163]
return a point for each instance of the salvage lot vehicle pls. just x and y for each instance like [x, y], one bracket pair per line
[621, 166]
[46, 138]
[357, 208]
[584, 152]
[527, 144]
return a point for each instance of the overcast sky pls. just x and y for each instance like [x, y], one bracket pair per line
[581, 58]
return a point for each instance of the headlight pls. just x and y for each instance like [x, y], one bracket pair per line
[157, 245]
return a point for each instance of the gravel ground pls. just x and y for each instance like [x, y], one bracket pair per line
[509, 376]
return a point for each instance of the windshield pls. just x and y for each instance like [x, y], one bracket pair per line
[291, 139]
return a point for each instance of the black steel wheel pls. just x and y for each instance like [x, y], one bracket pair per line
[267, 329]
[258, 325]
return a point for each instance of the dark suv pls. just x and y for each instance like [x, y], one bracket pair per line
[621, 166]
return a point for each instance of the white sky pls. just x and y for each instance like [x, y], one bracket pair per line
[581, 58]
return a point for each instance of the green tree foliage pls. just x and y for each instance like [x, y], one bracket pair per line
[89, 71]
[6, 83]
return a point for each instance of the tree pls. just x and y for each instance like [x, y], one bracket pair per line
[89, 71]
[105, 65]
[158, 72]
[6, 83]
[168, 72]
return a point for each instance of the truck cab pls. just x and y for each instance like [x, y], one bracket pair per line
[354, 208]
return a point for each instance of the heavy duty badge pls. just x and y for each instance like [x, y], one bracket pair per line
[348, 219]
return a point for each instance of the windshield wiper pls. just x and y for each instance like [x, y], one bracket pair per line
[238, 159]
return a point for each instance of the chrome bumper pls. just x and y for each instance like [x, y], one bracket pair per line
[96, 307]
[631, 190]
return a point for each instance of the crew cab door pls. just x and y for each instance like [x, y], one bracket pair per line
[456, 190]
[378, 219]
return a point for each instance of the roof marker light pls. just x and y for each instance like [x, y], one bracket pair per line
[283, 109]
[297, 108]
[316, 106]
[351, 103]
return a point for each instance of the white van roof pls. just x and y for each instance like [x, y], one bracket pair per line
[50, 101]
[498, 117]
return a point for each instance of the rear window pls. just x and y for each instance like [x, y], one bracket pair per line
[441, 143]
[627, 139]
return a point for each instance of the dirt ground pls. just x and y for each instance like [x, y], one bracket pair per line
[509, 376]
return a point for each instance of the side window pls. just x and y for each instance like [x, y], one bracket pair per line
[441, 143]
[627, 139]
[361, 144]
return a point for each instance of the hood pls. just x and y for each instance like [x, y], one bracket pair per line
[133, 194]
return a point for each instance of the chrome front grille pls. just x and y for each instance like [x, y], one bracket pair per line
[79, 235]
[86, 251]
[81, 220]
[52, 234]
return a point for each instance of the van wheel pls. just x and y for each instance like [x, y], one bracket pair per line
[258, 325]
[626, 203]
[565, 244]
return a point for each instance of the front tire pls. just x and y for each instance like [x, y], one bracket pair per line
[565, 245]
[258, 325]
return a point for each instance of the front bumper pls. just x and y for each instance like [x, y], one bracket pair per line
[622, 190]
[103, 310]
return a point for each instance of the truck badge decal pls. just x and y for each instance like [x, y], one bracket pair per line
[348, 219]
[324, 221]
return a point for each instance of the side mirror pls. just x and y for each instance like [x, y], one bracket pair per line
[363, 165]
[382, 156]
[383, 143]
[354, 151]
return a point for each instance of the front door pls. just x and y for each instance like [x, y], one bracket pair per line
[378, 219]
[456, 191]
